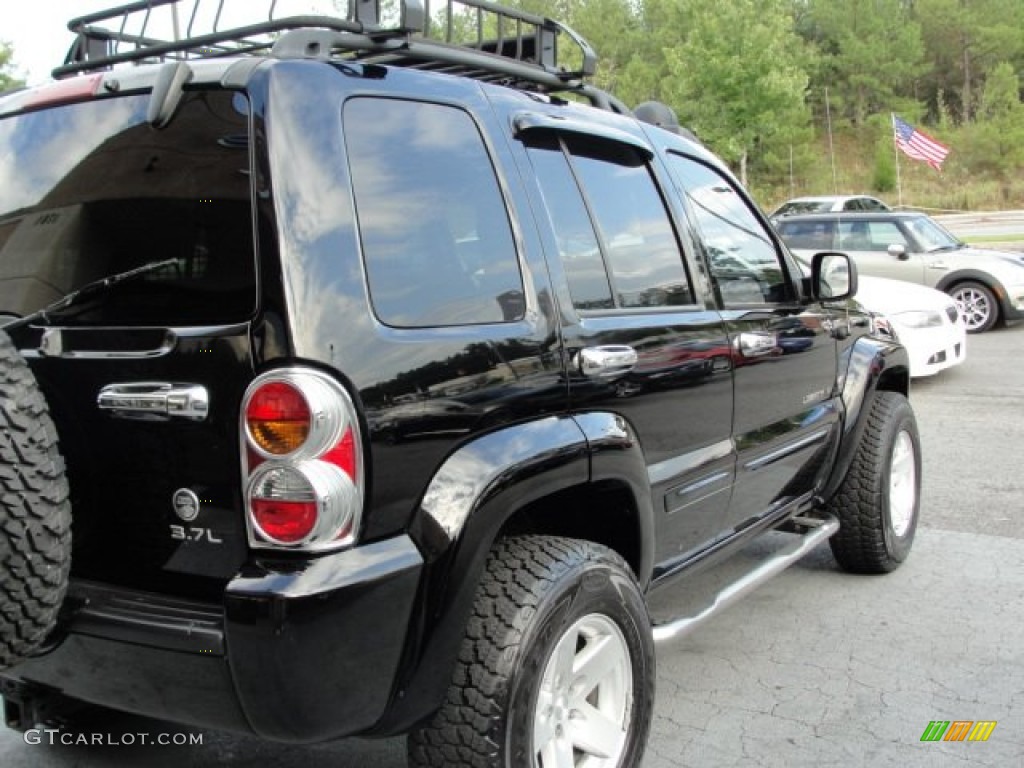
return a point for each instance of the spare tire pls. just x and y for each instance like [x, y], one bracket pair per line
[35, 513]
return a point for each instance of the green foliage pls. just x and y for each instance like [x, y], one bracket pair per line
[1000, 100]
[964, 41]
[7, 78]
[738, 79]
[884, 179]
[871, 48]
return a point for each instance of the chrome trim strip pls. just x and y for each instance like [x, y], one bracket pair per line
[687, 462]
[786, 450]
[55, 342]
[701, 484]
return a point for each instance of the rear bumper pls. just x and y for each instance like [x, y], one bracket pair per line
[301, 651]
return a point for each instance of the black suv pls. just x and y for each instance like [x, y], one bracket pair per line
[360, 382]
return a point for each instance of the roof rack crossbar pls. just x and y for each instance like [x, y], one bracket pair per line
[201, 45]
[525, 42]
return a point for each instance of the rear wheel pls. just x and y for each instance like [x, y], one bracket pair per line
[878, 503]
[35, 514]
[556, 669]
[977, 304]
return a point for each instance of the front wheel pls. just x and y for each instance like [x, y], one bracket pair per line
[556, 669]
[878, 502]
[977, 304]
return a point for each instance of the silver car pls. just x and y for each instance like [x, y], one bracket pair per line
[987, 285]
[826, 203]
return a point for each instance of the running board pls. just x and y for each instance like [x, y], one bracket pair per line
[818, 531]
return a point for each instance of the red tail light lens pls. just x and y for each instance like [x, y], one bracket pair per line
[302, 457]
[283, 504]
[286, 521]
[278, 418]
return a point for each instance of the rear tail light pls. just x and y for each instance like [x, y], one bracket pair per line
[302, 462]
[278, 418]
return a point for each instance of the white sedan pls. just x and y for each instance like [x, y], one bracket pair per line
[926, 321]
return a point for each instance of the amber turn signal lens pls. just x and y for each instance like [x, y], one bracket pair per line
[278, 418]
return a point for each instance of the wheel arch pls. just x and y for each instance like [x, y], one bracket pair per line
[871, 365]
[953, 279]
[552, 476]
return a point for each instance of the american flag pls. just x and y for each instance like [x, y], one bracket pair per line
[919, 145]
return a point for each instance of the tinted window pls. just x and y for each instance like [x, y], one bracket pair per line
[810, 235]
[90, 190]
[631, 258]
[869, 235]
[435, 232]
[741, 254]
[578, 247]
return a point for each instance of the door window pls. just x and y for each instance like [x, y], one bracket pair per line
[869, 235]
[741, 255]
[616, 241]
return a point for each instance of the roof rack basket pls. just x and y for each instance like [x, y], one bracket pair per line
[474, 38]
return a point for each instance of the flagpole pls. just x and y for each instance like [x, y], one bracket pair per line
[896, 149]
[831, 148]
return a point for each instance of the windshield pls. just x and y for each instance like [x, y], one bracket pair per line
[930, 236]
[803, 206]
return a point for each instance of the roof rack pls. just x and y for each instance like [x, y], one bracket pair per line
[472, 38]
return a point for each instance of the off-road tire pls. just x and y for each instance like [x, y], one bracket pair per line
[534, 593]
[874, 536]
[35, 514]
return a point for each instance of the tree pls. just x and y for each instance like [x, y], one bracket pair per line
[874, 52]
[997, 139]
[964, 40]
[738, 79]
[7, 79]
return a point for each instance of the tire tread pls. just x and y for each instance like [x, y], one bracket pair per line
[860, 543]
[35, 513]
[467, 730]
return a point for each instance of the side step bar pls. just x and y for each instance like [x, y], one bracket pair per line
[818, 531]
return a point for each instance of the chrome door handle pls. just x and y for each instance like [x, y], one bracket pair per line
[155, 401]
[757, 343]
[604, 361]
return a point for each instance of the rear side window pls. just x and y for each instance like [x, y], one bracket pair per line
[89, 190]
[616, 241]
[434, 229]
[810, 235]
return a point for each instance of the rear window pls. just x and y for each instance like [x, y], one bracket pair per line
[89, 190]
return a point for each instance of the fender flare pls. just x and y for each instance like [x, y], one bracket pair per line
[868, 366]
[470, 498]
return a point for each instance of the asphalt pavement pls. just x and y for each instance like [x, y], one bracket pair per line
[818, 668]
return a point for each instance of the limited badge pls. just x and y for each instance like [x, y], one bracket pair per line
[186, 504]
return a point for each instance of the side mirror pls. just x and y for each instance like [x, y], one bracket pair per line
[833, 276]
[899, 251]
